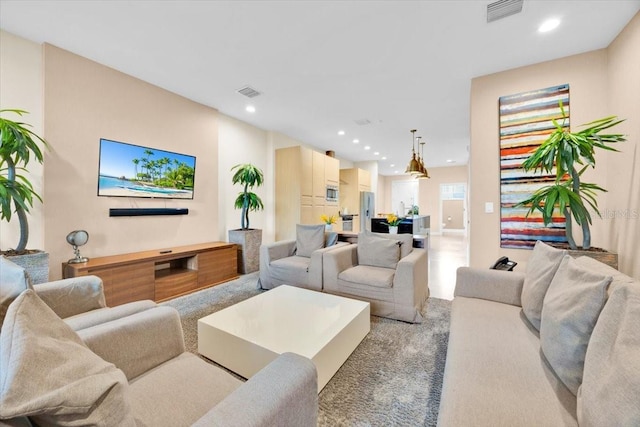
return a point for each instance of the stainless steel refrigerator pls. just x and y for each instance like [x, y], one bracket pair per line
[367, 209]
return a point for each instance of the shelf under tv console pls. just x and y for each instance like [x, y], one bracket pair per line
[160, 274]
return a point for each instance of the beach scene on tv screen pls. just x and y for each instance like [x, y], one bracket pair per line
[134, 171]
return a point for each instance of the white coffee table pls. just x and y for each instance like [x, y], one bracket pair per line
[247, 336]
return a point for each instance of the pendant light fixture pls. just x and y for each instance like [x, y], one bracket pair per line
[413, 167]
[424, 173]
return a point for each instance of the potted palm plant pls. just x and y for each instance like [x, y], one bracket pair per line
[19, 145]
[249, 239]
[571, 153]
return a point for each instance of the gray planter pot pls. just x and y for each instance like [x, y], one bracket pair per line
[249, 242]
[36, 265]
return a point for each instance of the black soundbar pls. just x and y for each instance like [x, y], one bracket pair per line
[147, 211]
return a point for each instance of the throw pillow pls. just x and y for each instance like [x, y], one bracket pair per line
[405, 239]
[378, 251]
[570, 311]
[13, 281]
[611, 385]
[50, 375]
[309, 238]
[330, 239]
[541, 268]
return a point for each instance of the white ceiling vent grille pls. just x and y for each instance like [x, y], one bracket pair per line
[503, 8]
[362, 122]
[248, 91]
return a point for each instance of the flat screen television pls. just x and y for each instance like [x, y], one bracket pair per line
[127, 170]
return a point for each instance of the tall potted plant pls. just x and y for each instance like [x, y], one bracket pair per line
[19, 145]
[571, 153]
[249, 239]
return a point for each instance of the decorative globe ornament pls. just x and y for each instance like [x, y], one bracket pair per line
[77, 238]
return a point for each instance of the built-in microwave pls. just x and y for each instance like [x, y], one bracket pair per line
[332, 193]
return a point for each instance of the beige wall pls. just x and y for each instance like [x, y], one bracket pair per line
[591, 79]
[622, 210]
[239, 143]
[428, 191]
[21, 88]
[453, 214]
[85, 101]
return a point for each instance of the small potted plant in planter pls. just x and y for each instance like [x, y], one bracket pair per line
[328, 221]
[393, 221]
[19, 145]
[249, 239]
[572, 153]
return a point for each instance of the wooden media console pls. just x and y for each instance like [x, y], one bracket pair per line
[160, 274]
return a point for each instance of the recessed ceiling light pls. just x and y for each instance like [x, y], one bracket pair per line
[392, 165]
[384, 158]
[376, 153]
[356, 141]
[340, 132]
[250, 108]
[366, 147]
[395, 172]
[548, 25]
[450, 161]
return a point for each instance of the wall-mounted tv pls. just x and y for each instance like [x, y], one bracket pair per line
[127, 170]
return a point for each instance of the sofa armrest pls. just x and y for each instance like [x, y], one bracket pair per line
[269, 253]
[137, 343]
[284, 393]
[278, 250]
[493, 285]
[412, 272]
[69, 297]
[336, 261]
[316, 263]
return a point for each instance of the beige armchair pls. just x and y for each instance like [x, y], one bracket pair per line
[79, 301]
[297, 262]
[383, 269]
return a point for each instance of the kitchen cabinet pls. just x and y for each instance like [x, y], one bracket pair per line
[302, 176]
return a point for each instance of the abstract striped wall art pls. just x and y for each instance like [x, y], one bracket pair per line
[525, 122]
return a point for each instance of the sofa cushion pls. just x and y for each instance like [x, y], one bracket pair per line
[570, 311]
[377, 251]
[200, 387]
[309, 238]
[494, 375]
[406, 241]
[107, 314]
[49, 374]
[611, 383]
[541, 268]
[617, 277]
[13, 280]
[368, 275]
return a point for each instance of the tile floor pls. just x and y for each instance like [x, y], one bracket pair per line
[446, 253]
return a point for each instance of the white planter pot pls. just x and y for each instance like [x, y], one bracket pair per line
[328, 227]
[393, 230]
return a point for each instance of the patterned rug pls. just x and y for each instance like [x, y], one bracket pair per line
[393, 378]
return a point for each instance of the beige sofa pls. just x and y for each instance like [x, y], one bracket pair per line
[383, 269]
[558, 345]
[135, 371]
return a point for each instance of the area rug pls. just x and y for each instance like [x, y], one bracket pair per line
[393, 378]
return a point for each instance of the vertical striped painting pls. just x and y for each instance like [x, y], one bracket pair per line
[525, 122]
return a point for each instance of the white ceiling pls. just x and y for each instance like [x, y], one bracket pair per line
[323, 64]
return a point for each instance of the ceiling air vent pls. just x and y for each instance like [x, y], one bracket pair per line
[362, 122]
[503, 8]
[248, 91]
